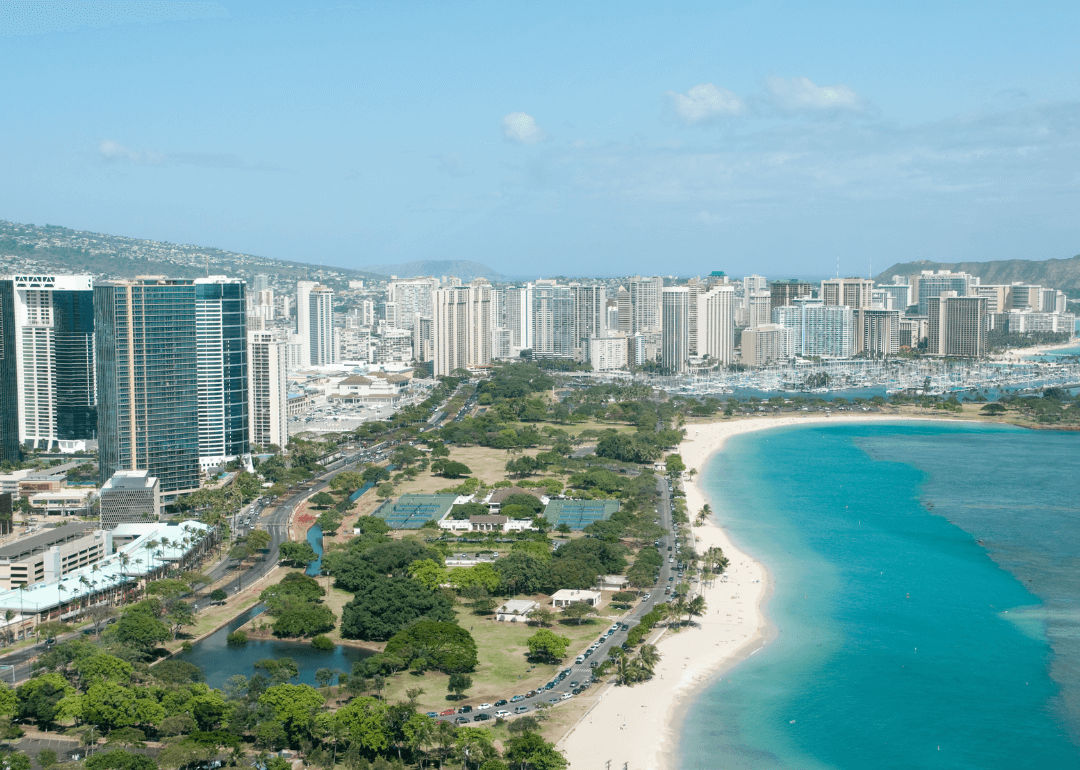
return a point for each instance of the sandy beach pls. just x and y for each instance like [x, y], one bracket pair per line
[638, 727]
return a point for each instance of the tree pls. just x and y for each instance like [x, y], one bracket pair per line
[298, 618]
[322, 500]
[297, 553]
[293, 706]
[428, 573]
[47, 759]
[366, 722]
[259, 539]
[483, 575]
[179, 614]
[14, 760]
[119, 759]
[450, 469]
[674, 465]
[521, 573]
[547, 647]
[280, 670]
[388, 605]
[140, 630]
[218, 595]
[109, 705]
[458, 684]
[324, 676]
[329, 522]
[430, 644]
[39, 698]
[295, 586]
[474, 745]
[529, 751]
[578, 611]
[542, 617]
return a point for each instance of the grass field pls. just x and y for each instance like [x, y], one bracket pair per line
[503, 670]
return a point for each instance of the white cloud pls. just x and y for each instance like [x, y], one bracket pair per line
[115, 152]
[805, 94]
[705, 102]
[521, 127]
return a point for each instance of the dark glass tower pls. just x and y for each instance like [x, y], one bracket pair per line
[9, 397]
[221, 328]
[76, 392]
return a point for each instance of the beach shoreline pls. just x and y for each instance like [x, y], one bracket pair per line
[638, 727]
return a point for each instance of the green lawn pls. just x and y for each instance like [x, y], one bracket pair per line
[503, 670]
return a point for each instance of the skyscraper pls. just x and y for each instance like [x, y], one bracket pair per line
[590, 316]
[303, 320]
[320, 312]
[716, 324]
[877, 332]
[147, 373]
[222, 349]
[267, 389]
[461, 327]
[851, 292]
[757, 308]
[786, 292]
[933, 283]
[413, 298]
[645, 304]
[553, 321]
[9, 393]
[958, 325]
[54, 339]
[819, 330]
[675, 339]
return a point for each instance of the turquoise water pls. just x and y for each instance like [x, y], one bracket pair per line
[314, 538]
[927, 600]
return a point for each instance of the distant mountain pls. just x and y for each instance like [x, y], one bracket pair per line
[1061, 274]
[463, 269]
[48, 248]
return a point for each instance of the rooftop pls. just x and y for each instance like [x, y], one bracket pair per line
[40, 541]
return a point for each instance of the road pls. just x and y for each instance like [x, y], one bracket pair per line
[582, 672]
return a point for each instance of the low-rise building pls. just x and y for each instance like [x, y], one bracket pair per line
[515, 610]
[70, 501]
[564, 597]
[129, 496]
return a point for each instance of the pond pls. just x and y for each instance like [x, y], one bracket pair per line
[219, 661]
[314, 538]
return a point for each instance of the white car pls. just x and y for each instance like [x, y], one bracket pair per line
[502, 713]
[484, 707]
[567, 695]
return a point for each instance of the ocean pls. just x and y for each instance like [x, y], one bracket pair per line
[926, 598]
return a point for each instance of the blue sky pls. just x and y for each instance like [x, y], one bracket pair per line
[552, 138]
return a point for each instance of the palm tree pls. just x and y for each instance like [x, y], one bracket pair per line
[695, 608]
[649, 656]
[149, 547]
[124, 560]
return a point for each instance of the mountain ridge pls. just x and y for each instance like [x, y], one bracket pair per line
[1063, 274]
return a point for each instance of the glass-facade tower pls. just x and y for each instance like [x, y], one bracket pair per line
[147, 373]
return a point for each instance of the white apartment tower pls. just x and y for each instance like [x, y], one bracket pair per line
[54, 353]
[461, 327]
[645, 304]
[303, 321]
[716, 324]
[675, 334]
[322, 351]
[267, 389]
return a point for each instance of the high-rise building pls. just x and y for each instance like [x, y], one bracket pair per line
[518, 304]
[757, 308]
[413, 298]
[899, 295]
[675, 332]
[462, 327]
[645, 304]
[819, 329]
[54, 347]
[267, 389]
[765, 344]
[933, 284]
[608, 353]
[851, 292]
[423, 339]
[957, 325]
[554, 321]
[716, 324]
[877, 332]
[611, 317]
[623, 311]
[147, 373]
[322, 348]
[222, 350]
[303, 320]
[590, 310]
[786, 292]
[9, 391]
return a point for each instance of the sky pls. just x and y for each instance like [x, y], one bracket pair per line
[555, 138]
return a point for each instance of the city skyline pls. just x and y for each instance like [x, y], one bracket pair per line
[766, 138]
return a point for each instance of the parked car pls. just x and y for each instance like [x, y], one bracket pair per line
[462, 720]
[520, 709]
[501, 702]
[464, 709]
[517, 698]
[484, 707]
[433, 714]
[502, 714]
[447, 713]
[481, 717]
